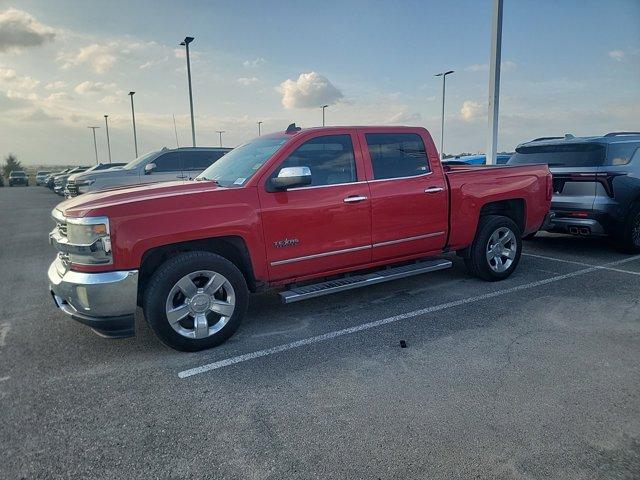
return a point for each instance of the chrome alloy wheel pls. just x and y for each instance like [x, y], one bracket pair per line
[501, 249]
[200, 304]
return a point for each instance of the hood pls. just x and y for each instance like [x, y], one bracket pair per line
[84, 204]
[108, 173]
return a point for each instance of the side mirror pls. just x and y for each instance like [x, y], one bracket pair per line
[290, 177]
[149, 167]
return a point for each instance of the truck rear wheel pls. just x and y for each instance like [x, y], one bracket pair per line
[496, 249]
[195, 301]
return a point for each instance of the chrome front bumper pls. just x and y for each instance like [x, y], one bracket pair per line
[106, 302]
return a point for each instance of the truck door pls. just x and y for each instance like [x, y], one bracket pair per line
[409, 200]
[325, 226]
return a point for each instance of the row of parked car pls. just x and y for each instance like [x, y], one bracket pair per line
[158, 166]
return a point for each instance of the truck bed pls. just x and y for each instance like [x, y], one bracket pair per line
[472, 186]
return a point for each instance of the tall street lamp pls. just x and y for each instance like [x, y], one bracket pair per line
[323, 107]
[444, 81]
[186, 43]
[106, 125]
[133, 116]
[220, 132]
[95, 144]
[259, 132]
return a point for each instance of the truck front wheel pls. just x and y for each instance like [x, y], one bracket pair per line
[195, 300]
[496, 249]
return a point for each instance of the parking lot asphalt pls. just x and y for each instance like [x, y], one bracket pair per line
[537, 376]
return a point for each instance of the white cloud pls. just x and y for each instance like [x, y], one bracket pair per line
[255, 63]
[405, 118]
[246, 81]
[13, 95]
[471, 110]
[59, 85]
[18, 30]
[617, 55]
[92, 87]
[57, 97]
[99, 58]
[11, 78]
[310, 90]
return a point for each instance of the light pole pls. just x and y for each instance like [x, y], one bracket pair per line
[186, 43]
[323, 107]
[133, 116]
[259, 123]
[95, 144]
[494, 82]
[220, 132]
[444, 81]
[106, 126]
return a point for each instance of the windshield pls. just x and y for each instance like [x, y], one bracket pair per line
[572, 155]
[133, 164]
[17, 174]
[241, 163]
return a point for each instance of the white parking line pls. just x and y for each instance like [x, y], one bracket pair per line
[385, 321]
[599, 267]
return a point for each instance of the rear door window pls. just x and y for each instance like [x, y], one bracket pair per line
[199, 161]
[571, 155]
[168, 162]
[622, 153]
[396, 155]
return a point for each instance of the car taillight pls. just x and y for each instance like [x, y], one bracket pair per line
[549, 187]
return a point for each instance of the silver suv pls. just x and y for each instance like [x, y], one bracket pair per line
[160, 166]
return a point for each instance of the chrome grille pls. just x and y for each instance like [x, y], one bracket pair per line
[72, 188]
[61, 223]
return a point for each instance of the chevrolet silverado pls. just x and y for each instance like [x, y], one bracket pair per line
[310, 212]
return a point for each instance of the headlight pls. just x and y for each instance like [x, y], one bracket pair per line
[89, 240]
[84, 183]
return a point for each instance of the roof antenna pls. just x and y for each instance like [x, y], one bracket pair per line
[292, 128]
[567, 136]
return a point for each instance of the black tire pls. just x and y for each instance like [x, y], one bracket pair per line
[164, 279]
[628, 240]
[477, 263]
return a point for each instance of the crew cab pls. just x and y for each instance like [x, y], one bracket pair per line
[309, 212]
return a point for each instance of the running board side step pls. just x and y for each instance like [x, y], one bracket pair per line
[297, 294]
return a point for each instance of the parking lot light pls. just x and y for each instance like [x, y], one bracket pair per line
[185, 43]
[106, 125]
[220, 132]
[444, 81]
[133, 116]
[259, 123]
[95, 144]
[323, 108]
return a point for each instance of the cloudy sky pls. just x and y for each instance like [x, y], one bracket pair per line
[568, 66]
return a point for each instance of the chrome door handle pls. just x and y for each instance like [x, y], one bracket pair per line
[433, 190]
[354, 199]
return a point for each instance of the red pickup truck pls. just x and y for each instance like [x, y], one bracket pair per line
[314, 211]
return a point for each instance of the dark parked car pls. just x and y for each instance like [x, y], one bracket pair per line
[596, 182]
[18, 177]
[50, 179]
